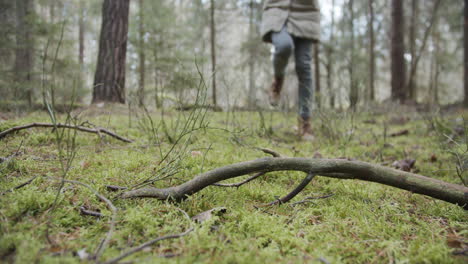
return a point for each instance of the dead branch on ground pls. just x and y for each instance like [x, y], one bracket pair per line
[253, 177]
[310, 198]
[334, 168]
[151, 242]
[19, 186]
[98, 131]
[115, 188]
[273, 153]
[403, 132]
[293, 193]
[85, 211]
[239, 184]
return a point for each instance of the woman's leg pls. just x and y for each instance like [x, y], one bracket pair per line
[302, 55]
[284, 45]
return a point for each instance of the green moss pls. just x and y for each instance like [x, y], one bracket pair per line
[362, 223]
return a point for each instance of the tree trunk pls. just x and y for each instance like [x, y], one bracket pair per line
[141, 55]
[371, 51]
[436, 71]
[158, 80]
[52, 11]
[330, 51]
[430, 97]
[318, 96]
[353, 91]
[109, 80]
[398, 68]
[81, 36]
[24, 53]
[252, 97]
[412, 38]
[213, 49]
[466, 53]
[7, 30]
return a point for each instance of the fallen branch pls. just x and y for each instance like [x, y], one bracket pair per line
[293, 193]
[19, 186]
[85, 211]
[400, 133]
[97, 131]
[115, 188]
[253, 177]
[271, 152]
[334, 168]
[151, 242]
[310, 198]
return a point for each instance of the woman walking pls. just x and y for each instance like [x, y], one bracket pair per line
[292, 26]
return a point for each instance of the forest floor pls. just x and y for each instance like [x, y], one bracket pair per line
[360, 222]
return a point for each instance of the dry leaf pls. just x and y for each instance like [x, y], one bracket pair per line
[82, 254]
[196, 153]
[207, 215]
[404, 165]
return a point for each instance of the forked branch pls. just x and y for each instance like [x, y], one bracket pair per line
[293, 193]
[97, 131]
[334, 168]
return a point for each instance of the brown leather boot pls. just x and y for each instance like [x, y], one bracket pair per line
[305, 129]
[274, 93]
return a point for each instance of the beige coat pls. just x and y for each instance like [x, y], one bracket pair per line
[302, 18]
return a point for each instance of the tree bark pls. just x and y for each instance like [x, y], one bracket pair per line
[158, 78]
[466, 54]
[330, 52]
[353, 91]
[7, 31]
[24, 53]
[52, 11]
[371, 51]
[252, 90]
[81, 35]
[142, 55]
[436, 66]
[398, 68]
[109, 80]
[334, 168]
[81, 43]
[412, 39]
[98, 131]
[213, 49]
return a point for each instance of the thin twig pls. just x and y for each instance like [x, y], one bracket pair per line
[102, 246]
[293, 193]
[253, 177]
[115, 188]
[151, 242]
[85, 211]
[400, 133]
[310, 198]
[239, 184]
[15, 154]
[97, 131]
[19, 186]
[271, 152]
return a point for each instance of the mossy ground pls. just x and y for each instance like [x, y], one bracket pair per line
[361, 223]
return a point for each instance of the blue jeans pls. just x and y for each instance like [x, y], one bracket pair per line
[285, 45]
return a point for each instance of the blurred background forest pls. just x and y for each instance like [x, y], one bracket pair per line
[370, 51]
